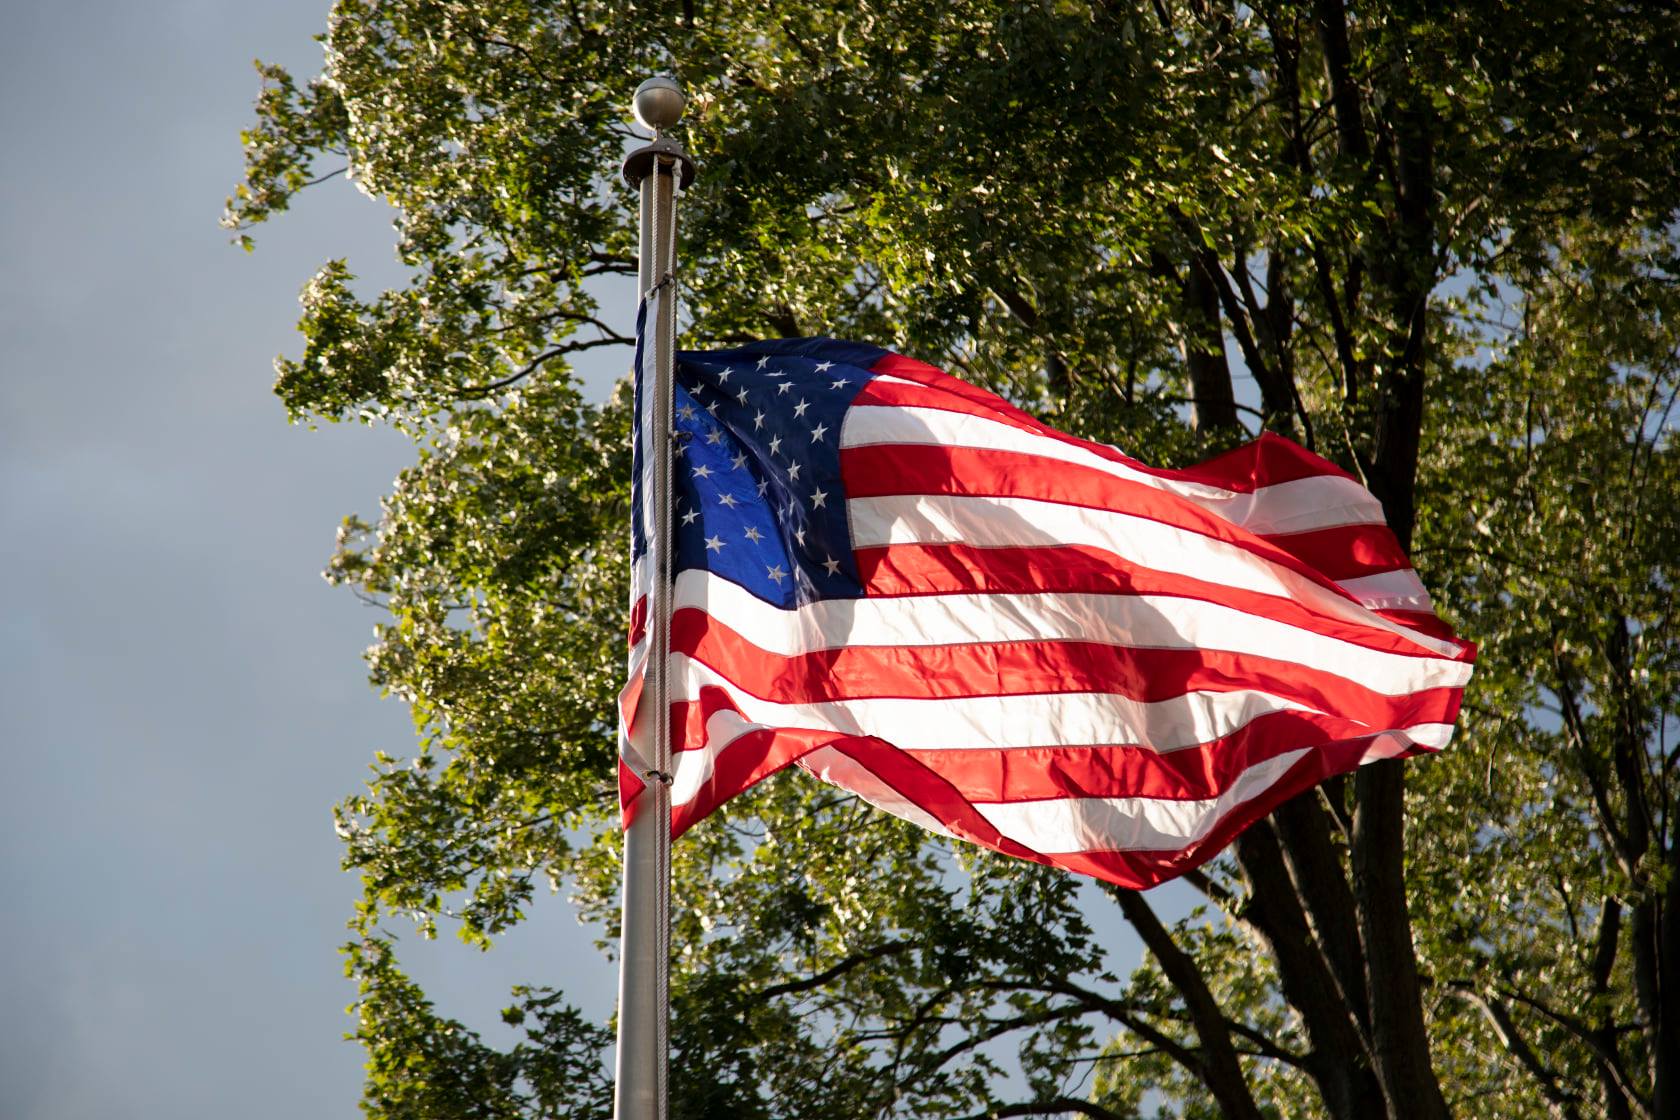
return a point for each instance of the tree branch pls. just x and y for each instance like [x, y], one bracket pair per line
[1276, 397]
[1343, 1060]
[1219, 1069]
[1303, 825]
[323, 178]
[1399, 1041]
[475, 391]
[1585, 1032]
[1331, 19]
[1054, 1107]
[1616, 1105]
[887, 949]
[1560, 1102]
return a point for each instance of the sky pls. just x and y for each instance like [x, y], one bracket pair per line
[183, 696]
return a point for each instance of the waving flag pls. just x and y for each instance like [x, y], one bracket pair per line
[1012, 636]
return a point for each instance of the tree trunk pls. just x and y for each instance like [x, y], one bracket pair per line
[1340, 1063]
[1212, 403]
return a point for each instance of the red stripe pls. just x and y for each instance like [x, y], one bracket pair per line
[1267, 461]
[1053, 773]
[1140, 870]
[1021, 668]
[1345, 551]
[688, 717]
[762, 752]
[948, 388]
[943, 569]
[932, 794]
[911, 469]
[629, 789]
[1193, 774]
[776, 747]
[890, 394]
[880, 470]
[966, 400]
[1426, 622]
[747, 761]
[629, 703]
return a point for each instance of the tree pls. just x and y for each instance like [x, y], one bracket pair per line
[1442, 244]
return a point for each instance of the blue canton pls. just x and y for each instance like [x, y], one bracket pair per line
[757, 467]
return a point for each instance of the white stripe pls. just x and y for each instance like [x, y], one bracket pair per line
[641, 570]
[693, 770]
[1101, 824]
[1396, 590]
[842, 770]
[1316, 502]
[1435, 736]
[1051, 719]
[636, 750]
[1028, 523]
[1153, 621]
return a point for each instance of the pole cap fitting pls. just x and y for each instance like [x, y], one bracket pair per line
[663, 153]
[659, 103]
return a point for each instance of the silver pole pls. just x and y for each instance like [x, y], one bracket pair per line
[644, 1005]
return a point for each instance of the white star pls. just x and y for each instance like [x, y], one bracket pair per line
[711, 407]
[799, 535]
[714, 436]
[818, 498]
[832, 565]
[758, 421]
[702, 471]
[775, 445]
[793, 472]
[818, 432]
[776, 574]
[763, 485]
[782, 387]
[838, 383]
[723, 373]
[824, 367]
[799, 409]
[764, 361]
[688, 518]
[714, 544]
[739, 461]
[727, 500]
[741, 396]
[754, 535]
[686, 412]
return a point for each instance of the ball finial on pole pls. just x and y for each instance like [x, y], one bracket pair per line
[659, 102]
[658, 105]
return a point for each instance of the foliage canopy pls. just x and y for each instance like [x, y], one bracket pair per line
[1442, 241]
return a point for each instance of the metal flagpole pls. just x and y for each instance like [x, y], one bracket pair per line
[644, 956]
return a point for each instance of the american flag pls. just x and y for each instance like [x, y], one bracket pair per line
[919, 593]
